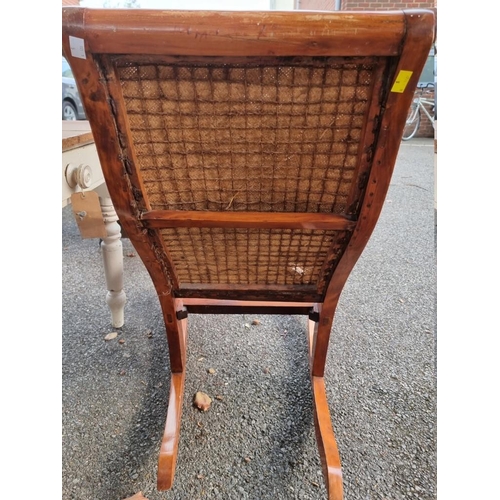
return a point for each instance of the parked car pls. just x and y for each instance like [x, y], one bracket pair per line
[72, 108]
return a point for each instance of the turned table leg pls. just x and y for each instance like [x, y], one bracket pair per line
[112, 255]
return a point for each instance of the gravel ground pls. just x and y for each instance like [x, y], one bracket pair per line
[257, 441]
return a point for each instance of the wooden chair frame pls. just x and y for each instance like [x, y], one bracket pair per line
[97, 42]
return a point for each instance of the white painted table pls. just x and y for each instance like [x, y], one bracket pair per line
[81, 170]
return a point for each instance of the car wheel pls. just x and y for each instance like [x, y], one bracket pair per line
[68, 111]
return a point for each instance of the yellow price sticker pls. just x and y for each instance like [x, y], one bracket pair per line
[401, 81]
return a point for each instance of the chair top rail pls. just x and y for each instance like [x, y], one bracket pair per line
[255, 33]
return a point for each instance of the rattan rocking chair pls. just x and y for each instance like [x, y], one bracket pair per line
[248, 155]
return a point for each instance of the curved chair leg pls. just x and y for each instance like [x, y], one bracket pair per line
[170, 441]
[325, 437]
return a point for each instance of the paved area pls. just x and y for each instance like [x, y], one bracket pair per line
[257, 441]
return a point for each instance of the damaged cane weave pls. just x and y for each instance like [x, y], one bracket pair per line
[278, 138]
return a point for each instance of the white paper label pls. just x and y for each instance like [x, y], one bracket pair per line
[77, 47]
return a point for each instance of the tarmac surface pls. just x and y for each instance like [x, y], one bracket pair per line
[257, 440]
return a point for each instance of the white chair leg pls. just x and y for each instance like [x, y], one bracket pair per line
[112, 254]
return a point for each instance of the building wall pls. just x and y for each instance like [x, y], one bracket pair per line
[426, 129]
[365, 5]
[316, 4]
[386, 5]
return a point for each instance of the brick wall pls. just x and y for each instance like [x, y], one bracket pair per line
[426, 129]
[386, 5]
[368, 5]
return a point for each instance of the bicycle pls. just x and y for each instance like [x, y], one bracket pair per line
[414, 114]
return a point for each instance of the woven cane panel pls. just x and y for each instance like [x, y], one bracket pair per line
[248, 256]
[283, 136]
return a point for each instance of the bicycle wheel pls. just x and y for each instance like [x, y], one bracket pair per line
[412, 121]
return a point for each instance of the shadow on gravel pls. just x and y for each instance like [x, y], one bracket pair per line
[121, 466]
[295, 425]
